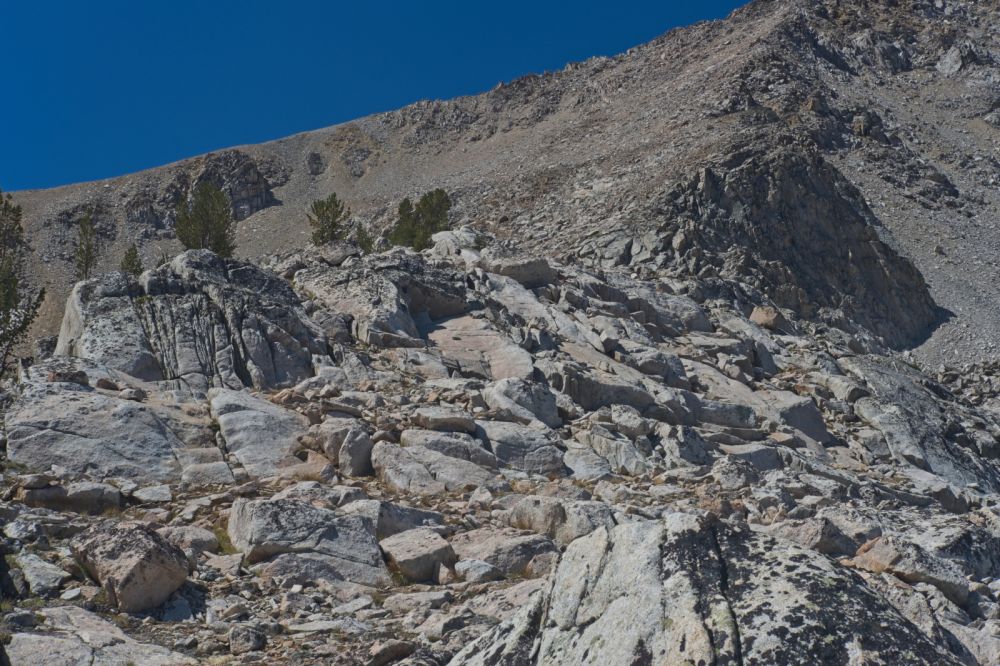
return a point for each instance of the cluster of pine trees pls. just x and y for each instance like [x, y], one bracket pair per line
[415, 224]
[204, 222]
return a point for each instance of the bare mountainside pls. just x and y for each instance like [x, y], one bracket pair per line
[762, 146]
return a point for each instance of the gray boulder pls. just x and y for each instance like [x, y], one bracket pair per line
[90, 431]
[138, 568]
[453, 444]
[262, 435]
[199, 320]
[75, 636]
[344, 546]
[417, 553]
[523, 401]
[684, 590]
[521, 447]
[415, 469]
[390, 518]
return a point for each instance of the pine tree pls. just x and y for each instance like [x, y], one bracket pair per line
[131, 262]
[207, 221]
[18, 308]
[326, 217]
[86, 247]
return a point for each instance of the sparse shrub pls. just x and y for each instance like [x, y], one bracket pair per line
[326, 217]
[207, 221]
[416, 224]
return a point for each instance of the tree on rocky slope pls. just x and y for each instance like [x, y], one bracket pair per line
[326, 217]
[206, 222]
[131, 262]
[416, 224]
[86, 247]
[18, 307]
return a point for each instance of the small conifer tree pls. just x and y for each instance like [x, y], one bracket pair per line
[364, 239]
[207, 221]
[416, 224]
[326, 217]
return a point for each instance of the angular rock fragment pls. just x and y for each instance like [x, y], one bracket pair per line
[296, 533]
[138, 568]
[417, 553]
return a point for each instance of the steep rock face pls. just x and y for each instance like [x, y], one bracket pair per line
[790, 225]
[921, 429]
[684, 590]
[200, 320]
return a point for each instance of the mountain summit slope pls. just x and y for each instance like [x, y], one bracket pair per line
[687, 154]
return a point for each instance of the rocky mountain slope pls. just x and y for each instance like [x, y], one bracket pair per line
[690, 153]
[652, 400]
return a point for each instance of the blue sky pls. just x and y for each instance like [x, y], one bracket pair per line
[102, 88]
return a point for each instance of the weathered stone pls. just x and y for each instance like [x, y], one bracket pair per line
[201, 320]
[190, 539]
[529, 271]
[913, 564]
[452, 444]
[509, 550]
[344, 545]
[521, 447]
[561, 520]
[422, 471]
[447, 419]
[390, 519]
[417, 553]
[82, 497]
[355, 454]
[260, 434]
[76, 636]
[89, 432]
[523, 402]
[137, 567]
[682, 590]
[44, 579]
[477, 571]
[244, 639]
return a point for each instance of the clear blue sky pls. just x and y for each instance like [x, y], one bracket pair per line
[105, 87]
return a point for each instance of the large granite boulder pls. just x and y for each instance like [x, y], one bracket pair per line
[200, 320]
[136, 566]
[261, 435]
[90, 430]
[686, 590]
[294, 535]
